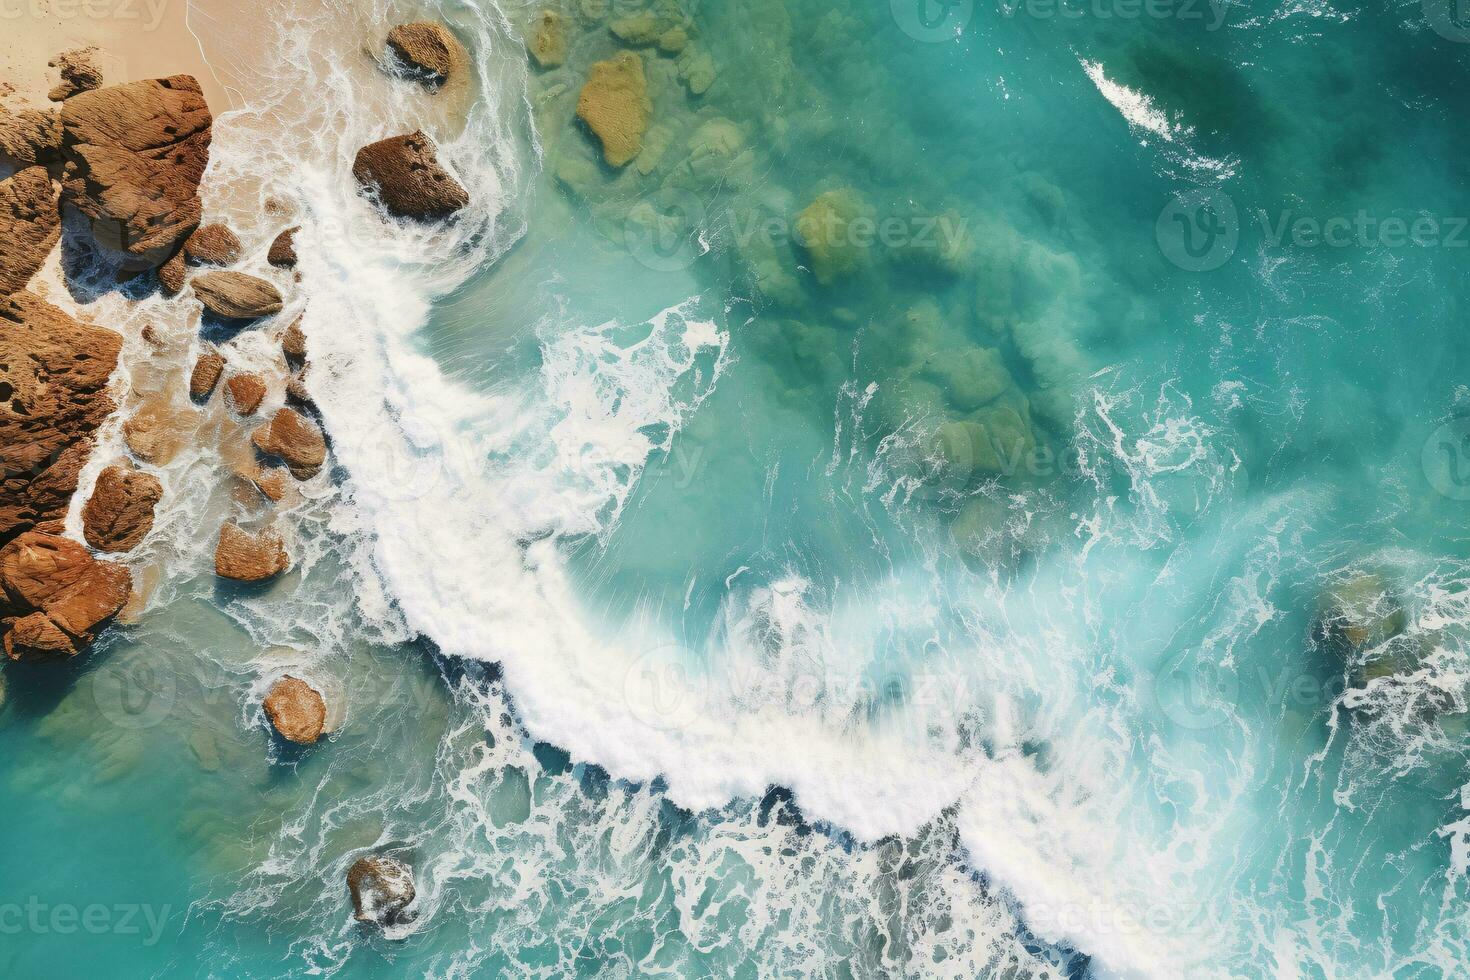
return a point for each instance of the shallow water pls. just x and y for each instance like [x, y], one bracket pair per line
[1042, 698]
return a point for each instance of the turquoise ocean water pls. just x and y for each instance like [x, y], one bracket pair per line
[983, 494]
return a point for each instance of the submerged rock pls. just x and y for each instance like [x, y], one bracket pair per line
[382, 889]
[205, 376]
[429, 52]
[296, 710]
[282, 252]
[134, 155]
[826, 230]
[246, 557]
[53, 395]
[295, 439]
[30, 226]
[119, 514]
[55, 596]
[548, 40]
[236, 296]
[213, 244]
[154, 433]
[405, 172]
[615, 106]
[1360, 612]
[970, 378]
[246, 392]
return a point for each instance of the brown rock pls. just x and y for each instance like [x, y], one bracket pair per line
[30, 226]
[153, 434]
[428, 52]
[53, 395]
[212, 244]
[246, 557]
[119, 514]
[55, 596]
[171, 274]
[296, 710]
[409, 181]
[134, 154]
[614, 104]
[205, 376]
[236, 296]
[295, 439]
[282, 252]
[30, 136]
[382, 889]
[296, 390]
[78, 74]
[246, 392]
[548, 41]
[271, 481]
[293, 343]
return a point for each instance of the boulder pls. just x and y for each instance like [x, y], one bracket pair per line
[272, 482]
[293, 343]
[548, 40]
[153, 433]
[825, 230]
[428, 52]
[382, 889]
[78, 74]
[171, 274]
[30, 136]
[213, 244]
[55, 596]
[119, 514]
[206, 374]
[296, 710]
[246, 392]
[246, 557]
[282, 252]
[294, 438]
[30, 226]
[133, 156]
[405, 172]
[54, 372]
[615, 106]
[1360, 612]
[236, 295]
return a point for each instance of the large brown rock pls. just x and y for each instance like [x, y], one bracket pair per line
[405, 172]
[212, 244]
[53, 395]
[30, 136]
[236, 296]
[246, 557]
[296, 710]
[246, 391]
[30, 226]
[382, 889]
[171, 274]
[205, 376]
[428, 52]
[295, 439]
[134, 154]
[55, 596]
[119, 514]
[282, 252]
[615, 106]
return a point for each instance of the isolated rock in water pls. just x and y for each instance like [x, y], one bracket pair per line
[119, 514]
[1360, 612]
[296, 710]
[295, 439]
[272, 482]
[30, 226]
[293, 343]
[673, 40]
[236, 296]
[696, 70]
[153, 433]
[246, 392]
[826, 230]
[55, 596]
[172, 273]
[548, 40]
[430, 52]
[406, 174]
[382, 889]
[134, 154]
[282, 252]
[205, 376]
[78, 74]
[30, 136]
[212, 244]
[246, 557]
[614, 104]
[53, 396]
[970, 378]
